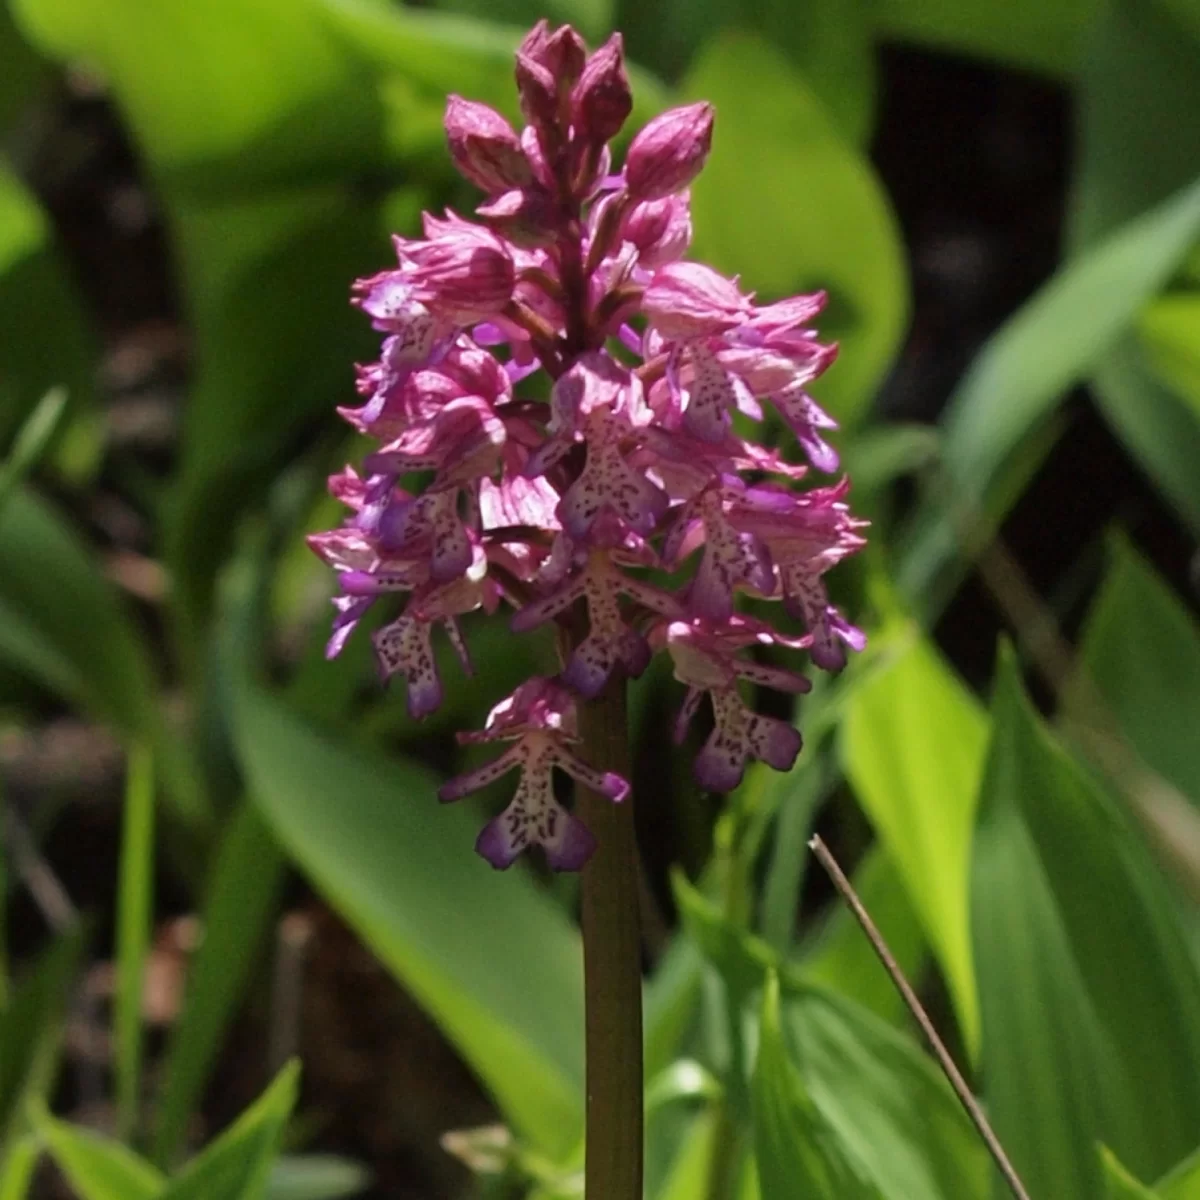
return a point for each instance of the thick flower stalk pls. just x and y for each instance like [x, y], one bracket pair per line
[641, 464]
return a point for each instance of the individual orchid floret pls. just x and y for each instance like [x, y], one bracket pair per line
[404, 646]
[539, 718]
[706, 662]
[732, 556]
[610, 639]
[669, 152]
[690, 300]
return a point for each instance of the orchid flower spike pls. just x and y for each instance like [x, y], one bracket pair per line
[563, 509]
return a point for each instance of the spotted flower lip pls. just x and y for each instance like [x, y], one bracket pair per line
[625, 498]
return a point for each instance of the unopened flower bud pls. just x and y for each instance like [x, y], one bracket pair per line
[562, 52]
[669, 152]
[548, 64]
[485, 147]
[602, 100]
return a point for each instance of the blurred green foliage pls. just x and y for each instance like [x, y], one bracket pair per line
[1018, 860]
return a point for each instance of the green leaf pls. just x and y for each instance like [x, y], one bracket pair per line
[62, 623]
[494, 961]
[31, 441]
[1118, 1183]
[23, 71]
[315, 1177]
[1141, 648]
[1141, 71]
[798, 1150]
[1157, 427]
[37, 353]
[31, 1031]
[1169, 331]
[1089, 998]
[237, 1165]
[592, 18]
[135, 915]
[689, 1172]
[887, 1101]
[243, 894]
[1017, 380]
[1182, 1182]
[803, 792]
[758, 214]
[669, 1001]
[1021, 33]
[17, 1167]
[97, 1167]
[912, 743]
[842, 958]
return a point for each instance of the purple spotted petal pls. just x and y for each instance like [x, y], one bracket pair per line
[711, 397]
[481, 777]
[405, 647]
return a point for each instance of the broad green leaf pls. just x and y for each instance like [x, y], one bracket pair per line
[62, 623]
[827, 41]
[1141, 648]
[689, 1173]
[237, 1165]
[31, 1031]
[882, 1096]
[913, 742]
[1118, 1183]
[23, 70]
[246, 65]
[1169, 330]
[1022, 33]
[17, 1168]
[242, 897]
[1051, 343]
[135, 916]
[495, 962]
[1142, 70]
[97, 1167]
[669, 1001]
[1158, 428]
[315, 1177]
[47, 344]
[887, 1101]
[797, 1149]
[803, 792]
[758, 214]
[1182, 1182]
[843, 960]
[1089, 999]
[592, 18]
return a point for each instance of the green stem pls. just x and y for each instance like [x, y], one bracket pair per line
[611, 963]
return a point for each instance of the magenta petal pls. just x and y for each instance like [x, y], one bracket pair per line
[573, 846]
[587, 671]
[616, 787]
[424, 696]
[495, 844]
[774, 742]
[719, 767]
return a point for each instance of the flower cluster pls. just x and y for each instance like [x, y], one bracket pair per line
[635, 464]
